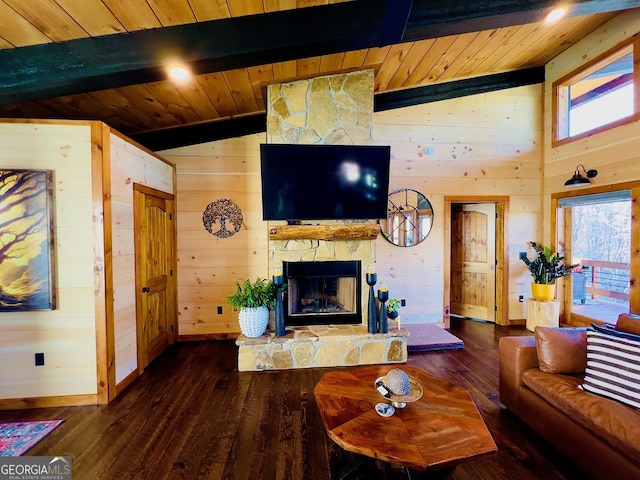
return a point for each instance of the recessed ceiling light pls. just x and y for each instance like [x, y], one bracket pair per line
[179, 72]
[555, 14]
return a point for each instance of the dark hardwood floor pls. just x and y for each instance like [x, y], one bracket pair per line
[191, 415]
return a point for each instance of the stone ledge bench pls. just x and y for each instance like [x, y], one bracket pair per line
[322, 346]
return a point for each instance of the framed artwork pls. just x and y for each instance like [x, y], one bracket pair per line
[26, 240]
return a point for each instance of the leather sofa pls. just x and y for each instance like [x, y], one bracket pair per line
[540, 379]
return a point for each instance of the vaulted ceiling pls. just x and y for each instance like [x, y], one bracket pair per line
[106, 59]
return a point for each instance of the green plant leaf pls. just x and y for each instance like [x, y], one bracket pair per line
[249, 294]
[547, 266]
[393, 305]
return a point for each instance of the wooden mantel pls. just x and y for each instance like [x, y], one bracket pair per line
[359, 231]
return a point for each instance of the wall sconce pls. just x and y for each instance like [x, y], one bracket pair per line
[578, 180]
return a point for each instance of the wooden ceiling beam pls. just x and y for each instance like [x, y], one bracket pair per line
[111, 61]
[458, 88]
[220, 129]
[156, 140]
[438, 18]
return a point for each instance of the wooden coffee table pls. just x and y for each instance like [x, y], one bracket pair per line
[440, 430]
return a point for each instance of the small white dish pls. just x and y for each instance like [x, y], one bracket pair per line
[385, 410]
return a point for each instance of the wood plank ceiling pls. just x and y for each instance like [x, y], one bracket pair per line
[102, 59]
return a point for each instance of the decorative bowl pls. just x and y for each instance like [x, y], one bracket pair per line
[399, 401]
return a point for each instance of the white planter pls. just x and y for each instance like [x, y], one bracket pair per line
[253, 321]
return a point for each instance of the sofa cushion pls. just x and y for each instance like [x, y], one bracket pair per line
[628, 322]
[613, 365]
[561, 350]
[615, 423]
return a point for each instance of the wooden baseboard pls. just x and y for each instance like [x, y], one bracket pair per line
[208, 336]
[124, 383]
[48, 402]
[517, 321]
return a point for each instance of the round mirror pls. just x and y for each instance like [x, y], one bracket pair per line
[409, 218]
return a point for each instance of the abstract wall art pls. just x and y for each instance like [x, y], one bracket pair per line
[26, 240]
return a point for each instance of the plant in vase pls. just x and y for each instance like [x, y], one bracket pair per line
[393, 307]
[254, 300]
[545, 267]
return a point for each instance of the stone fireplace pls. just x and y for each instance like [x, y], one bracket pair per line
[335, 109]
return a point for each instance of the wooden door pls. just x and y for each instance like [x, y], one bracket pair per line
[473, 260]
[155, 300]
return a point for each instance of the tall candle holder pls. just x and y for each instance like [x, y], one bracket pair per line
[278, 282]
[372, 321]
[383, 320]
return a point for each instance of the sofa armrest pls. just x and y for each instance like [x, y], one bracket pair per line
[517, 354]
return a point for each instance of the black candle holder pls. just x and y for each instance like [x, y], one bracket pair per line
[372, 320]
[383, 320]
[278, 281]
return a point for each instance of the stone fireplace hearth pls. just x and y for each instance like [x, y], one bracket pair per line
[322, 346]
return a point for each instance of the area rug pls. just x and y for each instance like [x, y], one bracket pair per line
[18, 437]
[429, 336]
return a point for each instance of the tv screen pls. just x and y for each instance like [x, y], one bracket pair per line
[324, 182]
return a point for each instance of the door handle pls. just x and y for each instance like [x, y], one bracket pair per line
[145, 289]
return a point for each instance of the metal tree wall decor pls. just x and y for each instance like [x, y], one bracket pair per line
[223, 212]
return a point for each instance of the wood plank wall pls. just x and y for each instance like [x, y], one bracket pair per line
[481, 145]
[485, 144]
[129, 164]
[614, 153]
[208, 266]
[66, 335]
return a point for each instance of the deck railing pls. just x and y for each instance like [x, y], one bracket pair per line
[607, 279]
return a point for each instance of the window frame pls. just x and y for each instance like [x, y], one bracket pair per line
[562, 233]
[560, 110]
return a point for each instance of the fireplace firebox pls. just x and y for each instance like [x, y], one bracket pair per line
[323, 293]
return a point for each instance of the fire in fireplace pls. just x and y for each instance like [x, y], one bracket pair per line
[323, 293]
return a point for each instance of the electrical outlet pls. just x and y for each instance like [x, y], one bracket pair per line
[219, 310]
[39, 359]
[403, 303]
[521, 298]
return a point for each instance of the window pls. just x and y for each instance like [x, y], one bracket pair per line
[600, 242]
[599, 96]
[597, 228]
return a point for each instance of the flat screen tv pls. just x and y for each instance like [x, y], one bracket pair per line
[324, 182]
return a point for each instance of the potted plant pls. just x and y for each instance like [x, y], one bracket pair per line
[253, 299]
[545, 267]
[393, 307]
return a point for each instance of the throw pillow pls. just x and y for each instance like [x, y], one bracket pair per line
[606, 328]
[561, 350]
[613, 365]
[628, 322]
